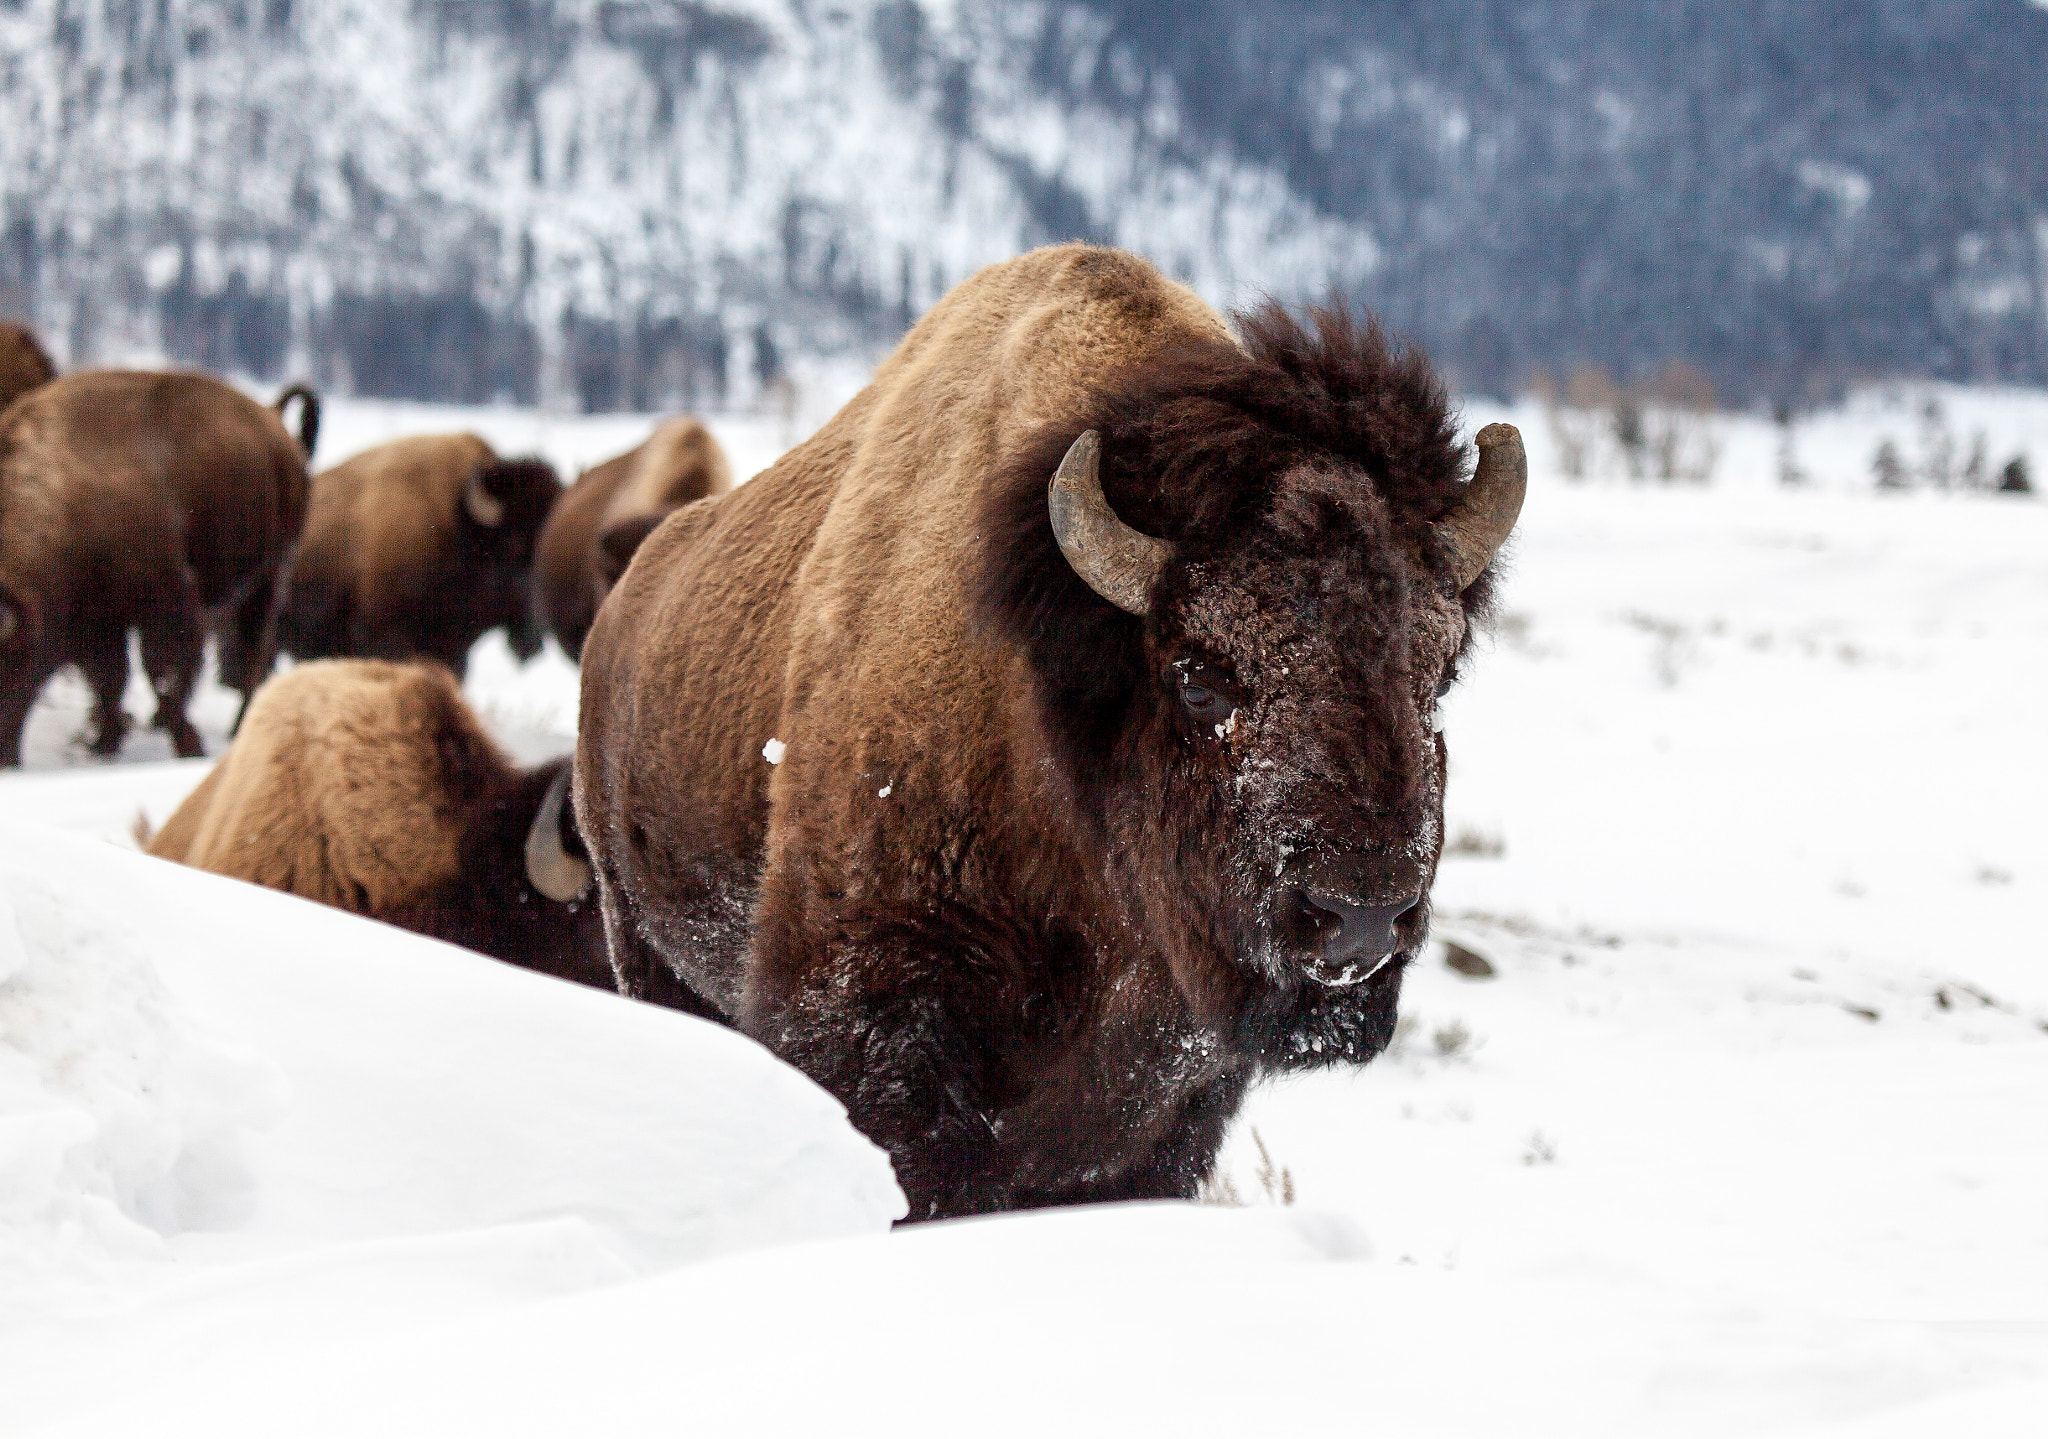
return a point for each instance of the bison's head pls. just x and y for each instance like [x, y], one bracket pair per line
[1249, 584]
[503, 505]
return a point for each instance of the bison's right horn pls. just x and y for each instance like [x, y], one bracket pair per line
[483, 506]
[550, 868]
[1478, 524]
[1119, 563]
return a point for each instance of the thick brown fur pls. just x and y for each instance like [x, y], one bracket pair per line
[23, 363]
[394, 565]
[602, 518]
[163, 503]
[372, 787]
[1005, 895]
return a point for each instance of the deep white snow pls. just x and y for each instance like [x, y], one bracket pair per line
[1743, 1135]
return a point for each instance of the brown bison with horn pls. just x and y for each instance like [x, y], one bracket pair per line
[371, 787]
[1095, 658]
[418, 547]
[166, 504]
[602, 518]
[23, 364]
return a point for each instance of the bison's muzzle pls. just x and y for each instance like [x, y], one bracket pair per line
[1357, 939]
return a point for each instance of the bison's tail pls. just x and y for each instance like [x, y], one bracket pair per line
[309, 414]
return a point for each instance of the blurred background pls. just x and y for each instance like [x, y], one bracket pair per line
[646, 205]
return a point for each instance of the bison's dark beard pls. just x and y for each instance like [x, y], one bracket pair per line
[1305, 1025]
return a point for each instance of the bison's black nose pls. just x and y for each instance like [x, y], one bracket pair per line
[1358, 931]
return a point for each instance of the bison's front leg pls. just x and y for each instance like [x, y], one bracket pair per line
[903, 1032]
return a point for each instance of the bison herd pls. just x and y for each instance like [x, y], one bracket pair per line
[1036, 756]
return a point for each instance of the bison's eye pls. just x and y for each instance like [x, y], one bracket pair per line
[1436, 714]
[1207, 697]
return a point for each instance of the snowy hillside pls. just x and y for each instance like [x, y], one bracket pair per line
[620, 203]
[637, 204]
[1741, 1134]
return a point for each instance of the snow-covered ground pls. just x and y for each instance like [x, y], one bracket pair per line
[1744, 1133]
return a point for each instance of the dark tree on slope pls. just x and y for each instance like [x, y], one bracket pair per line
[1781, 194]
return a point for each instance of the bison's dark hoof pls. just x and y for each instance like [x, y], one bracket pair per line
[185, 740]
[107, 734]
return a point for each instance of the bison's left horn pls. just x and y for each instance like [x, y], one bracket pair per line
[550, 868]
[483, 506]
[1479, 524]
[1119, 563]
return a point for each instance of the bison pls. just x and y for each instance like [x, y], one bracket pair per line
[1046, 748]
[418, 547]
[601, 519]
[23, 364]
[371, 787]
[163, 503]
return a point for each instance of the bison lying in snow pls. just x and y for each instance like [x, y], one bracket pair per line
[162, 503]
[371, 787]
[23, 365]
[1045, 748]
[601, 519]
[418, 547]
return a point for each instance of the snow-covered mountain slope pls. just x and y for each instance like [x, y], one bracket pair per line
[626, 203]
[647, 203]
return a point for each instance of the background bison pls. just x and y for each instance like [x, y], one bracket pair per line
[23, 365]
[418, 548]
[372, 787]
[1091, 803]
[162, 503]
[612, 507]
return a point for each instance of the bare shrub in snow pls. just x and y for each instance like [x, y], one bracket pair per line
[1579, 419]
[1976, 468]
[1888, 468]
[1220, 1189]
[1937, 446]
[1541, 1149]
[1789, 472]
[1674, 645]
[1470, 843]
[1276, 1180]
[1680, 430]
[1451, 1039]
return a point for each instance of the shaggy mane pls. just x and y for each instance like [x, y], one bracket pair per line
[1195, 444]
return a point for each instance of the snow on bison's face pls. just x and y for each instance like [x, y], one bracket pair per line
[1267, 780]
[1288, 804]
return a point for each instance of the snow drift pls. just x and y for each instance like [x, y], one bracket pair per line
[275, 1120]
